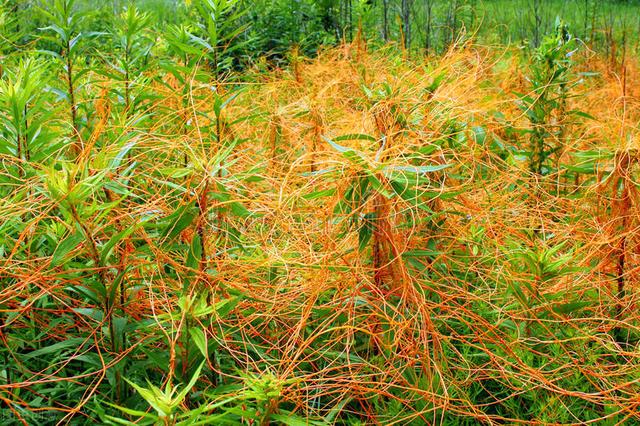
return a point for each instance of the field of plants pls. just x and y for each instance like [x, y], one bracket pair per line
[206, 220]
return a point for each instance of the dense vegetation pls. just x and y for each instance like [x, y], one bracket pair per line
[319, 212]
[258, 28]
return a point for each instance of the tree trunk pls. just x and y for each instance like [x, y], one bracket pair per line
[385, 20]
[429, 9]
[406, 23]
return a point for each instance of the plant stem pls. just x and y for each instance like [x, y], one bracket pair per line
[77, 147]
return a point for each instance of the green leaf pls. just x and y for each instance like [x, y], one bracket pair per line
[108, 248]
[200, 339]
[75, 342]
[355, 136]
[567, 308]
[366, 231]
[319, 194]
[110, 293]
[421, 253]
[220, 104]
[195, 253]
[480, 134]
[239, 209]
[419, 169]
[581, 114]
[224, 307]
[291, 419]
[350, 154]
[65, 247]
[378, 186]
[119, 329]
[154, 398]
[356, 158]
[179, 221]
[339, 148]
[150, 419]
[95, 314]
[183, 393]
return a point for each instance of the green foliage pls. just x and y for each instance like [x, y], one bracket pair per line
[158, 266]
[132, 47]
[550, 78]
[29, 133]
[221, 29]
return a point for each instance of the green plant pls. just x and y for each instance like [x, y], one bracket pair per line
[166, 403]
[211, 256]
[64, 33]
[551, 75]
[132, 47]
[366, 203]
[220, 30]
[28, 135]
